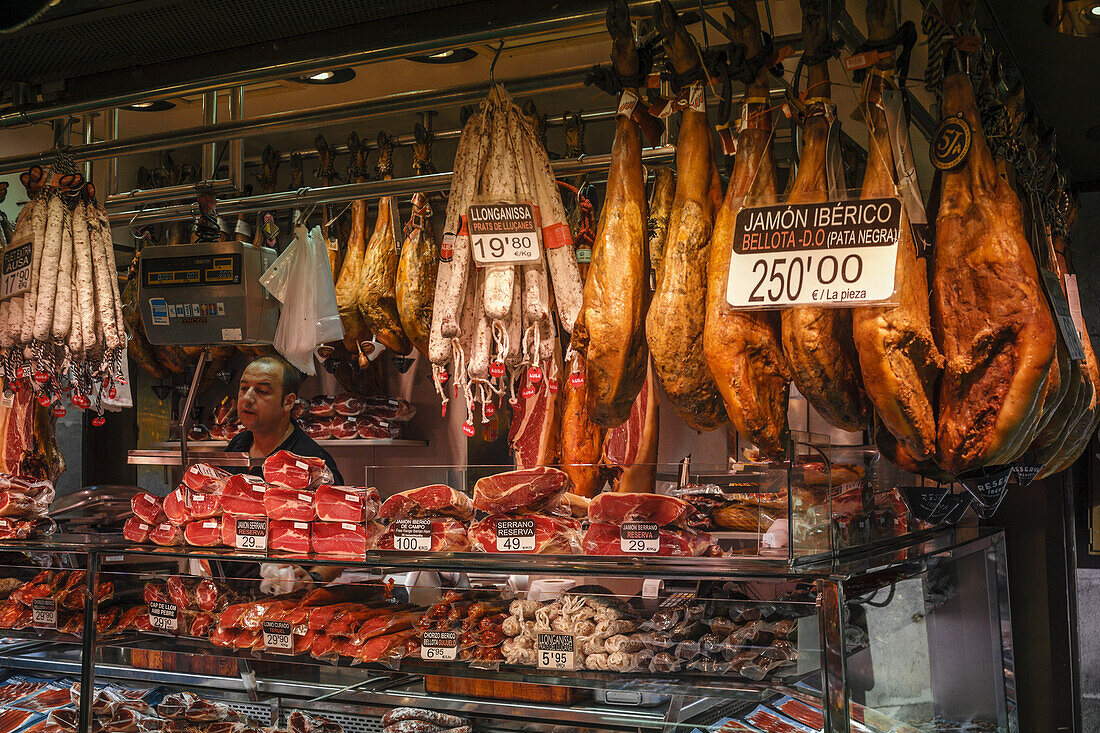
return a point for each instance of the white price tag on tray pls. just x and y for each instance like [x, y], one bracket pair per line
[164, 616]
[15, 273]
[250, 533]
[556, 651]
[504, 233]
[839, 253]
[439, 646]
[278, 637]
[44, 613]
[515, 535]
[412, 535]
[640, 538]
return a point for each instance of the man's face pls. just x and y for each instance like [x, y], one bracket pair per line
[261, 404]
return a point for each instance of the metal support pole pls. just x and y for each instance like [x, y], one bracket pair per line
[89, 138]
[210, 150]
[834, 680]
[236, 145]
[88, 646]
[110, 132]
[188, 403]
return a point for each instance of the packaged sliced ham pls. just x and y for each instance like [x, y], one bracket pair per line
[166, 535]
[527, 490]
[27, 485]
[288, 504]
[348, 404]
[538, 534]
[388, 408]
[176, 505]
[244, 495]
[344, 539]
[316, 428]
[148, 508]
[616, 507]
[137, 530]
[321, 406]
[606, 539]
[203, 533]
[436, 500]
[300, 409]
[343, 428]
[447, 535]
[283, 468]
[345, 503]
[204, 506]
[369, 426]
[285, 536]
[203, 478]
[22, 529]
[20, 506]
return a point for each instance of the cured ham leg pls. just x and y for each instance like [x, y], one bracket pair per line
[610, 330]
[630, 450]
[818, 341]
[743, 348]
[989, 314]
[674, 325]
[351, 270]
[580, 438]
[898, 358]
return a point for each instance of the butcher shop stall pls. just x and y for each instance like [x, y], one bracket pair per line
[591, 366]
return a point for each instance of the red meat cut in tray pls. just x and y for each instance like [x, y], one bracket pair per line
[243, 495]
[14, 504]
[204, 506]
[344, 539]
[321, 406]
[148, 508]
[527, 490]
[436, 500]
[344, 428]
[175, 505]
[388, 408]
[283, 468]
[348, 404]
[135, 530]
[553, 535]
[345, 503]
[317, 429]
[203, 478]
[288, 504]
[605, 539]
[203, 533]
[448, 535]
[612, 507]
[287, 536]
[369, 426]
[166, 535]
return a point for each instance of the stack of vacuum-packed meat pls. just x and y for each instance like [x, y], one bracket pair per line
[50, 705]
[525, 513]
[197, 603]
[118, 604]
[24, 507]
[419, 720]
[429, 518]
[304, 512]
[469, 621]
[349, 415]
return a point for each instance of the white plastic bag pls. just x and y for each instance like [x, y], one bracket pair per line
[301, 280]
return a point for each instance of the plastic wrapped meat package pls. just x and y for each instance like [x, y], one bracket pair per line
[552, 535]
[284, 468]
[345, 503]
[446, 535]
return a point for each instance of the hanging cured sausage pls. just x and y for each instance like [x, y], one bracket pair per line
[743, 348]
[674, 325]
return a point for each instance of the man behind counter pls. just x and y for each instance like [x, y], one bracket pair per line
[268, 389]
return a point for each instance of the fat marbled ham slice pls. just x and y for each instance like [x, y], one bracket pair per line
[630, 450]
[553, 535]
[528, 490]
[989, 314]
[535, 430]
[436, 500]
[743, 348]
[617, 508]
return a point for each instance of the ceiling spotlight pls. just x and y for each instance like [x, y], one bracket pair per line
[158, 106]
[333, 76]
[1073, 17]
[450, 56]
[1095, 10]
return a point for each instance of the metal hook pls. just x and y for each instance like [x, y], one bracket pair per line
[130, 226]
[493, 65]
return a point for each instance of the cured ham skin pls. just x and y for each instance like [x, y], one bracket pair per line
[610, 330]
[989, 315]
[580, 439]
[629, 453]
[416, 274]
[818, 342]
[898, 358]
[743, 348]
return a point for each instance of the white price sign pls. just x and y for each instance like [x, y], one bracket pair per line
[15, 273]
[412, 535]
[250, 533]
[556, 651]
[503, 233]
[439, 646]
[640, 538]
[515, 535]
[839, 253]
[278, 637]
[164, 616]
[44, 613]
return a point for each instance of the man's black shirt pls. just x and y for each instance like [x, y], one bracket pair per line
[297, 443]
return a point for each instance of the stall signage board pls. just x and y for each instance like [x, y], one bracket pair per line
[250, 533]
[504, 233]
[515, 535]
[439, 646]
[164, 616]
[556, 651]
[412, 535]
[278, 637]
[640, 538]
[839, 253]
[44, 613]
